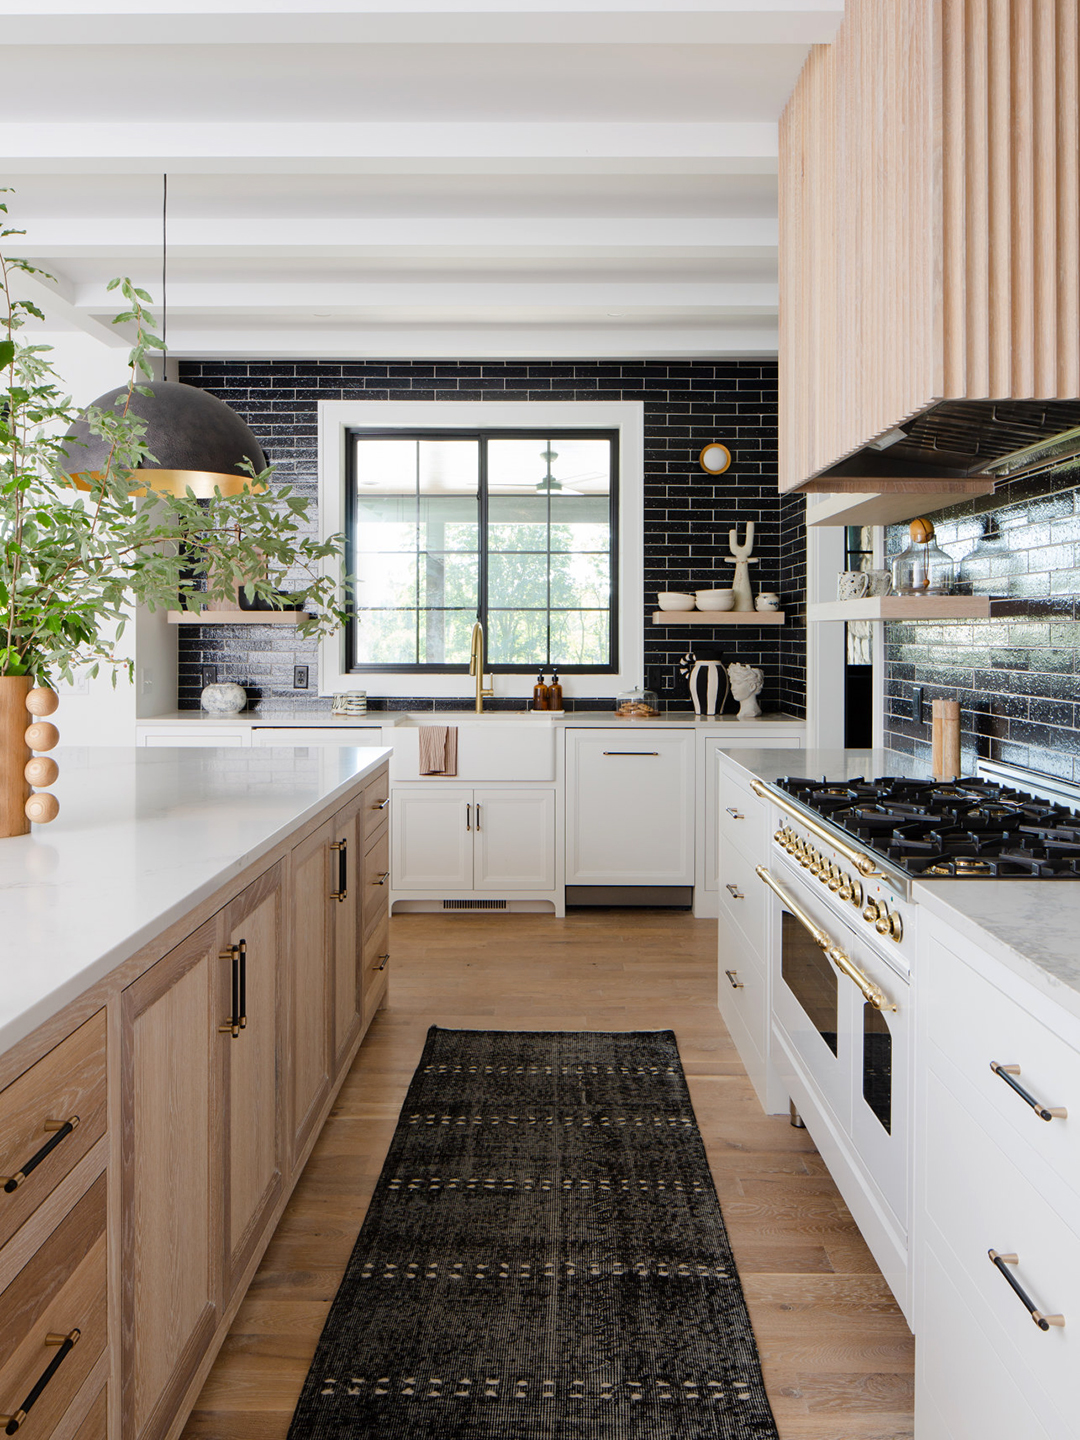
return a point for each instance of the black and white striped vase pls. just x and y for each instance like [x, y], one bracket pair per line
[705, 687]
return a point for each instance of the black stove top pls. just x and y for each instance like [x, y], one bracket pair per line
[973, 829]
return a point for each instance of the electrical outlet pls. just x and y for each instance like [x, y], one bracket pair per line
[207, 675]
[300, 677]
[917, 703]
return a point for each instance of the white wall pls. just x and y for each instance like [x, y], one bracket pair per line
[94, 712]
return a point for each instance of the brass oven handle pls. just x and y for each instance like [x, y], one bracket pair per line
[863, 863]
[61, 1129]
[65, 1343]
[871, 993]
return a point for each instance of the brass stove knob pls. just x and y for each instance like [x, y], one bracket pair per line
[891, 925]
[836, 881]
[856, 891]
[873, 911]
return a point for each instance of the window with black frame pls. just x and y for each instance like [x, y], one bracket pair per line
[514, 527]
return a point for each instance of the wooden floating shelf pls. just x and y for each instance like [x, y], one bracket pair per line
[718, 617]
[889, 507]
[235, 617]
[904, 607]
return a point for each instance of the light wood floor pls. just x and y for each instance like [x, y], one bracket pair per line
[837, 1355]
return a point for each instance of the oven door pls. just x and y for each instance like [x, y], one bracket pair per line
[881, 1078]
[810, 1008]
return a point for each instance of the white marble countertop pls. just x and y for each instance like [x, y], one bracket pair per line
[322, 719]
[142, 837]
[1031, 926]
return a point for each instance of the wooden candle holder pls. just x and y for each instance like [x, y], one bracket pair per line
[22, 731]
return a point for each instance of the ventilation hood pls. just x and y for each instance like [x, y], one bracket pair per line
[963, 441]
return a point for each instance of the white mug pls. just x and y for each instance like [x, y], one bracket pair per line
[880, 582]
[852, 585]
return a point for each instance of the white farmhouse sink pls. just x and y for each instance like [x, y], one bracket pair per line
[490, 747]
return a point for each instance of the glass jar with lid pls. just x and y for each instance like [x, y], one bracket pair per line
[637, 704]
[923, 568]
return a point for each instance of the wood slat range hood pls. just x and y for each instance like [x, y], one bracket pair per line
[930, 254]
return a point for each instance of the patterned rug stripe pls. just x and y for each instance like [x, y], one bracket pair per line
[544, 1258]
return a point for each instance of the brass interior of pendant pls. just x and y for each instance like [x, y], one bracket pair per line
[203, 484]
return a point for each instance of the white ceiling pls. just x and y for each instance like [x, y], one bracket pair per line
[409, 178]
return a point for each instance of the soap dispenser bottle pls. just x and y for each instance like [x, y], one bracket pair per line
[555, 700]
[541, 694]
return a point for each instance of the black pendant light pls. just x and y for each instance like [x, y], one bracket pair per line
[197, 441]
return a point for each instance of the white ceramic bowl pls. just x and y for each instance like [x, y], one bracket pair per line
[716, 599]
[673, 600]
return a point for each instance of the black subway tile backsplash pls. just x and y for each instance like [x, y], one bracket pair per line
[687, 513]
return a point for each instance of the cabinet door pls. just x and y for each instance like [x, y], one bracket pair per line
[630, 807]
[514, 839]
[433, 838]
[253, 1128]
[313, 877]
[346, 867]
[172, 1060]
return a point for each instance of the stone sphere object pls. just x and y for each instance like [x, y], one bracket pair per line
[225, 699]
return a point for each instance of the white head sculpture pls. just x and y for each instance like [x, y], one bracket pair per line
[746, 684]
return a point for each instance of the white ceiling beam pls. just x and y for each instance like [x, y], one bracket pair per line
[149, 147]
[53, 297]
[499, 22]
[338, 298]
[436, 235]
[472, 341]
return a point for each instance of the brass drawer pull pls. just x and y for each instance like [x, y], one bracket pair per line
[735, 892]
[381, 804]
[1001, 1262]
[1044, 1112]
[385, 961]
[735, 984]
[735, 814]
[65, 1344]
[61, 1130]
[342, 848]
[382, 878]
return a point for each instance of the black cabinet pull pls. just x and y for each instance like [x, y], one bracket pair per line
[478, 817]
[66, 1344]
[61, 1130]
[242, 967]
[1002, 1262]
[1044, 1112]
[382, 878]
[631, 752]
[735, 814]
[385, 961]
[735, 892]
[468, 817]
[736, 984]
[342, 848]
[381, 804]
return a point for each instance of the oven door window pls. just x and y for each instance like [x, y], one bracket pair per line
[877, 1065]
[811, 979]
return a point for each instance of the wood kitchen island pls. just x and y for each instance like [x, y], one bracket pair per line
[192, 955]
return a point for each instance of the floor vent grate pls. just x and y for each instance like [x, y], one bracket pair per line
[474, 904]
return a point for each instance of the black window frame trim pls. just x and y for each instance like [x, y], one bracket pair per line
[483, 434]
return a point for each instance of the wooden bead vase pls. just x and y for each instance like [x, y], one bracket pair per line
[23, 730]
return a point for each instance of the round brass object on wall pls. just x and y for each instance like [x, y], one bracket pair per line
[715, 458]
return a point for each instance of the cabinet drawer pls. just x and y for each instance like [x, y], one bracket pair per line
[977, 1199]
[742, 815]
[376, 967]
[95, 1425]
[375, 879]
[62, 1289]
[973, 1023]
[742, 894]
[962, 1391]
[741, 992]
[376, 804]
[67, 1084]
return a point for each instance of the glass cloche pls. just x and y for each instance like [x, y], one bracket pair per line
[637, 704]
[923, 568]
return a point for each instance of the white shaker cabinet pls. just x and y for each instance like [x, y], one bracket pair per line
[630, 806]
[449, 839]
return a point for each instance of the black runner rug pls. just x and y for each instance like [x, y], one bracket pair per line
[544, 1258]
